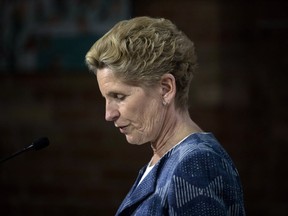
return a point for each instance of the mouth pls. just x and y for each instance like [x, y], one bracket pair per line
[123, 129]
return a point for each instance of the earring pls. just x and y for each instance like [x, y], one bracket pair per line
[164, 103]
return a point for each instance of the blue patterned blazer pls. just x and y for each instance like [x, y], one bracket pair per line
[196, 177]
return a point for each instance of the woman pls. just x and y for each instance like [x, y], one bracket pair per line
[144, 67]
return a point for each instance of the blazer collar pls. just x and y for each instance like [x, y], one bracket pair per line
[140, 192]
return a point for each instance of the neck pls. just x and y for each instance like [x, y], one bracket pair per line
[177, 127]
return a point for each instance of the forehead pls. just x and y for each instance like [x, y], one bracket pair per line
[106, 75]
[109, 83]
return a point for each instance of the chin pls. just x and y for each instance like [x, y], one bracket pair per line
[133, 141]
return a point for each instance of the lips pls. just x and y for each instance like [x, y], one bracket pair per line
[123, 128]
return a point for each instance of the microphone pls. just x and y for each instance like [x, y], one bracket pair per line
[36, 145]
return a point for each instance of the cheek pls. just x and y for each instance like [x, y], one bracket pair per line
[150, 117]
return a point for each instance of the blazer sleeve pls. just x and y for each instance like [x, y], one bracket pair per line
[205, 183]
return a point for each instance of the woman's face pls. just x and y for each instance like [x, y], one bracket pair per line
[138, 112]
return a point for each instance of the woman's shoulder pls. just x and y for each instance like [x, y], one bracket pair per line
[198, 143]
[201, 152]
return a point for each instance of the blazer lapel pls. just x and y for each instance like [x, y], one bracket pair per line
[139, 193]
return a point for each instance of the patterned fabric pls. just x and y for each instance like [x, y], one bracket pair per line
[196, 177]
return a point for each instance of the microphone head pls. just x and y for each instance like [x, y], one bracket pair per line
[40, 143]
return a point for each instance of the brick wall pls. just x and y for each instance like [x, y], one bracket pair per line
[239, 94]
[253, 61]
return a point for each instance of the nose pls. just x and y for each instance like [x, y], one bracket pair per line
[111, 112]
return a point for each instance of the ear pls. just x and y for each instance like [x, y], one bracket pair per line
[168, 87]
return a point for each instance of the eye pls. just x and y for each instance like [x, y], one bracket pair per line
[119, 96]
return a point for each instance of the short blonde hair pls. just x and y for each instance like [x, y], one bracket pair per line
[140, 50]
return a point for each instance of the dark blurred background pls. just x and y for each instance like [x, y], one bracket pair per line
[239, 94]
